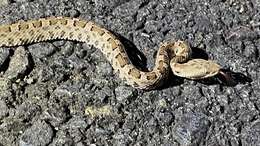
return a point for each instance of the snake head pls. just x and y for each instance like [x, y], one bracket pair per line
[195, 69]
[181, 50]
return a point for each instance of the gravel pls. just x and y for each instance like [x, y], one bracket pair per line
[65, 93]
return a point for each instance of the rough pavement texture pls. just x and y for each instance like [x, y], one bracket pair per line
[65, 93]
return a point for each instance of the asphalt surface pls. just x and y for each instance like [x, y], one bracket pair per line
[65, 93]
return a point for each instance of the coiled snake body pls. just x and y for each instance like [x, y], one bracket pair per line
[174, 55]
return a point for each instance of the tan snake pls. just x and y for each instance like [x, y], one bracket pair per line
[174, 55]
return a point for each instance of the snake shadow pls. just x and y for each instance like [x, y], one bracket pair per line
[226, 78]
[229, 78]
[137, 58]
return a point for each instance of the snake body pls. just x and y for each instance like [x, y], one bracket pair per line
[174, 55]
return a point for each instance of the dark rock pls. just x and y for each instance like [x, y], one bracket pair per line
[41, 50]
[190, 129]
[19, 64]
[40, 133]
[55, 114]
[27, 111]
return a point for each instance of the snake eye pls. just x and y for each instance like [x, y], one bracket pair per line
[176, 50]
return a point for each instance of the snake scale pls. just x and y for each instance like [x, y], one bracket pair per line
[174, 55]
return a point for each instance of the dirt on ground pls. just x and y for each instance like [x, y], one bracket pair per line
[66, 93]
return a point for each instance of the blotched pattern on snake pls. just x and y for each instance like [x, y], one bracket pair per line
[174, 55]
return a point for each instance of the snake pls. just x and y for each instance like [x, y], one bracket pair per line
[172, 55]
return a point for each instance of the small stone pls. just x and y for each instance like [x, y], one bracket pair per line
[73, 13]
[77, 122]
[19, 64]
[41, 50]
[251, 134]
[162, 103]
[37, 91]
[4, 2]
[29, 80]
[26, 111]
[251, 51]
[46, 74]
[190, 129]
[104, 69]
[164, 118]
[152, 26]
[123, 93]
[67, 47]
[55, 114]
[39, 134]
[5, 84]
[3, 109]
[5, 88]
